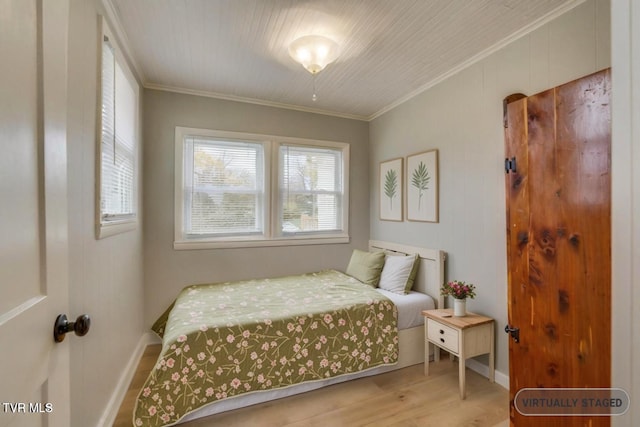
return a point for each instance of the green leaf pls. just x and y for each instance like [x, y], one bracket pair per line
[391, 185]
[420, 179]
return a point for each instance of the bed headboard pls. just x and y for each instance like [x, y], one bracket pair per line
[431, 272]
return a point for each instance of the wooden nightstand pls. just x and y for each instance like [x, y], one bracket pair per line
[465, 337]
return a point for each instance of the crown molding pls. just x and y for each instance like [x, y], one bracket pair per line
[113, 18]
[262, 102]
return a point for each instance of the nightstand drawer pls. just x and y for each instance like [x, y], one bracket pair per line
[443, 335]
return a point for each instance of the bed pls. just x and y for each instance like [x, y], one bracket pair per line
[307, 332]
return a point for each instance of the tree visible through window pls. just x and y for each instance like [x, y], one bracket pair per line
[311, 189]
[233, 187]
[226, 188]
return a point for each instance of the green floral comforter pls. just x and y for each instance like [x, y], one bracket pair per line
[223, 340]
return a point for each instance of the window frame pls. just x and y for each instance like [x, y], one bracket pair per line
[125, 222]
[280, 190]
[187, 198]
[272, 235]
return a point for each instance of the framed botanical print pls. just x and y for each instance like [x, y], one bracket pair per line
[390, 190]
[422, 186]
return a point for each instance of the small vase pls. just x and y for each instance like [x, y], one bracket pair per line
[459, 307]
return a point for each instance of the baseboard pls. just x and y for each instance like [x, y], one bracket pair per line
[111, 411]
[483, 370]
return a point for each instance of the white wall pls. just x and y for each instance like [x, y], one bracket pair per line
[106, 277]
[462, 118]
[167, 271]
[625, 154]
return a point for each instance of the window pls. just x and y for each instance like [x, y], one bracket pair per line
[310, 181]
[239, 190]
[118, 134]
[224, 188]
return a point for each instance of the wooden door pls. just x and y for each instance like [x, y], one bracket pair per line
[559, 241]
[34, 371]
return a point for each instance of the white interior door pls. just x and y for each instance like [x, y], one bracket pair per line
[34, 371]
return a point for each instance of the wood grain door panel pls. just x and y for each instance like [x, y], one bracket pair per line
[559, 241]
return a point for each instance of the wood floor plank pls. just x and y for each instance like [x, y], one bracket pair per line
[400, 398]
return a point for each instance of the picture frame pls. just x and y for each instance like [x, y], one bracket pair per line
[422, 186]
[390, 192]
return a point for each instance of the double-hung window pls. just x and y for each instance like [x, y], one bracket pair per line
[311, 190]
[239, 190]
[118, 143]
[223, 188]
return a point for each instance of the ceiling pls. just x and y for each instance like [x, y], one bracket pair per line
[390, 50]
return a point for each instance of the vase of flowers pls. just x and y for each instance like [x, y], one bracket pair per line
[460, 291]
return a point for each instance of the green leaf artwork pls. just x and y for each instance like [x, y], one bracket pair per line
[420, 179]
[391, 186]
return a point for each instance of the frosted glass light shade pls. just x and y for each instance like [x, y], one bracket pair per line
[314, 52]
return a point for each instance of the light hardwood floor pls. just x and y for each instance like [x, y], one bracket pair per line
[400, 398]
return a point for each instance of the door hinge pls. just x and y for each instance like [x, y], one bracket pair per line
[510, 165]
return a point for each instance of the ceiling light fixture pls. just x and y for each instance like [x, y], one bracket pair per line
[314, 53]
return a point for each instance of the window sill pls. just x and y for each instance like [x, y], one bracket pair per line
[111, 229]
[182, 245]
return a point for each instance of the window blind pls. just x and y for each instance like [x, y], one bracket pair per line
[311, 189]
[118, 143]
[224, 187]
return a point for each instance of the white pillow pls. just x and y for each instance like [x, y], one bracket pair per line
[398, 273]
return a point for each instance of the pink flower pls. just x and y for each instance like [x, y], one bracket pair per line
[171, 363]
[458, 289]
[235, 383]
[152, 410]
[182, 338]
[328, 318]
[230, 338]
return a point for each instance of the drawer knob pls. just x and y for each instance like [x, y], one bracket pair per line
[441, 331]
[441, 339]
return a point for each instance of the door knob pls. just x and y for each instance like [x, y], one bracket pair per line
[80, 327]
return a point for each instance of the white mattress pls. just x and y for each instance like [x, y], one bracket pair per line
[410, 307]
